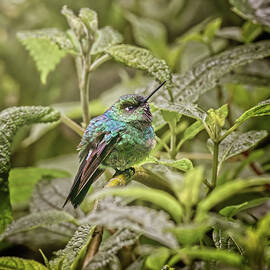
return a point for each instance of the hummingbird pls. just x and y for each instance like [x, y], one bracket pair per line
[120, 138]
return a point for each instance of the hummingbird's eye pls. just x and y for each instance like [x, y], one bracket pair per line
[130, 108]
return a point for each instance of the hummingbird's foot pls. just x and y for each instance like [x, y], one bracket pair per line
[121, 177]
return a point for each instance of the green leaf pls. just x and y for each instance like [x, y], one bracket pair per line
[255, 11]
[204, 76]
[250, 31]
[157, 259]
[263, 227]
[89, 18]
[23, 180]
[215, 121]
[149, 33]
[12, 263]
[211, 29]
[237, 143]
[36, 220]
[45, 49]
[158, 197]
[191, 132]
[170, 117]
[232, 210]
[70, 257]
[115, 216]
[221, 193]
[142, 59]
[104, 39]
[110, 247]
[10, 121]
[182, 164]
[209, 254]
[190, 191]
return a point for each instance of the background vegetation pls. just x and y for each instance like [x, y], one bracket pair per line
[201, 200]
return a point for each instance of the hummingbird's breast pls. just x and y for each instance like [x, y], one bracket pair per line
[134, 146]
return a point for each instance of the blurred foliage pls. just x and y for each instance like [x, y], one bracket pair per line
[204, 207]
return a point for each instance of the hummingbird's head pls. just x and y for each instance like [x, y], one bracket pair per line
[133, 108]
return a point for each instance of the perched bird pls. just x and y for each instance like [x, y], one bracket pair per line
[120, 138]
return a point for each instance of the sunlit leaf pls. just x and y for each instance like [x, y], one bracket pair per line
[110, 247]
[69, 258]
[211, 29]
[250, 31]
[158, 197]
[36, 220]
[12, 263]
[104, 39]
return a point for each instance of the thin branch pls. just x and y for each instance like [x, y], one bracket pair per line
[215, 165]
[100, 61]
[71, 124]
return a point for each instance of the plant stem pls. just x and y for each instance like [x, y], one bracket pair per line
[215, 165]
[173, 140]
[100, 61]
[71, 124]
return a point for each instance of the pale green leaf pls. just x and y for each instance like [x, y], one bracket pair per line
[221, 193]
[12, 263]
[110, 247]
[157, 259]
[211, 29]
[232, 210]
[142, 59]
[182, 164]
[170, 117]
[158, 197]
[45, 53]
[23, 180]
[263, 227]
[104, 39]
[36, 220]
[251, 31]
[70, 257]
[89, 18]
[204, 76]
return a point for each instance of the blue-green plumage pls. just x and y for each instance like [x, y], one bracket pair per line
[120, 138]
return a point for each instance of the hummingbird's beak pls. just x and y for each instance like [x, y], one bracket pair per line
[147, 98]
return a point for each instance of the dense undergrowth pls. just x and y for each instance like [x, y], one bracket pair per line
[185, 208]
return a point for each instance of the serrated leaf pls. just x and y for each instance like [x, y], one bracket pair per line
[157, 259]
[250, 31]
[191, 132]
[189, 193]
[12, 263]
[104, 39]
[232, 210]
[204, 76]
[255, 11]
[23, 180]
[10, 121]
[110, 247]
[237, 143]
[142, 59]
[182, 164]
[158, 197]
[35, 220]
[147, 221]
[45, 53]
[226, 191]
[209, 254]
[149, 33]
[74, 251]
[89, 18]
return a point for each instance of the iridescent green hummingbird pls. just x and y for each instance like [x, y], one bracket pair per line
[120, 138]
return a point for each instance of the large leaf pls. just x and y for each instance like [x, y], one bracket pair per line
[45, 46]
[36, 220]
[206, 75]
[221, 193]
[110, 247]
[104, 39]
[23, 180]
[256, 11]
[70, 256]
[142, 59]
[12, 263]
[10, 121]
[237, 143]
[150, 222]
[158, 197]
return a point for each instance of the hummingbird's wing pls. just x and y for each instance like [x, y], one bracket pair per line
[95, 146]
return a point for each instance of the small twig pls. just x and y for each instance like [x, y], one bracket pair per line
[253, 165]
[71, 124]
[215, 165]
[100, 61]
[164, 144]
